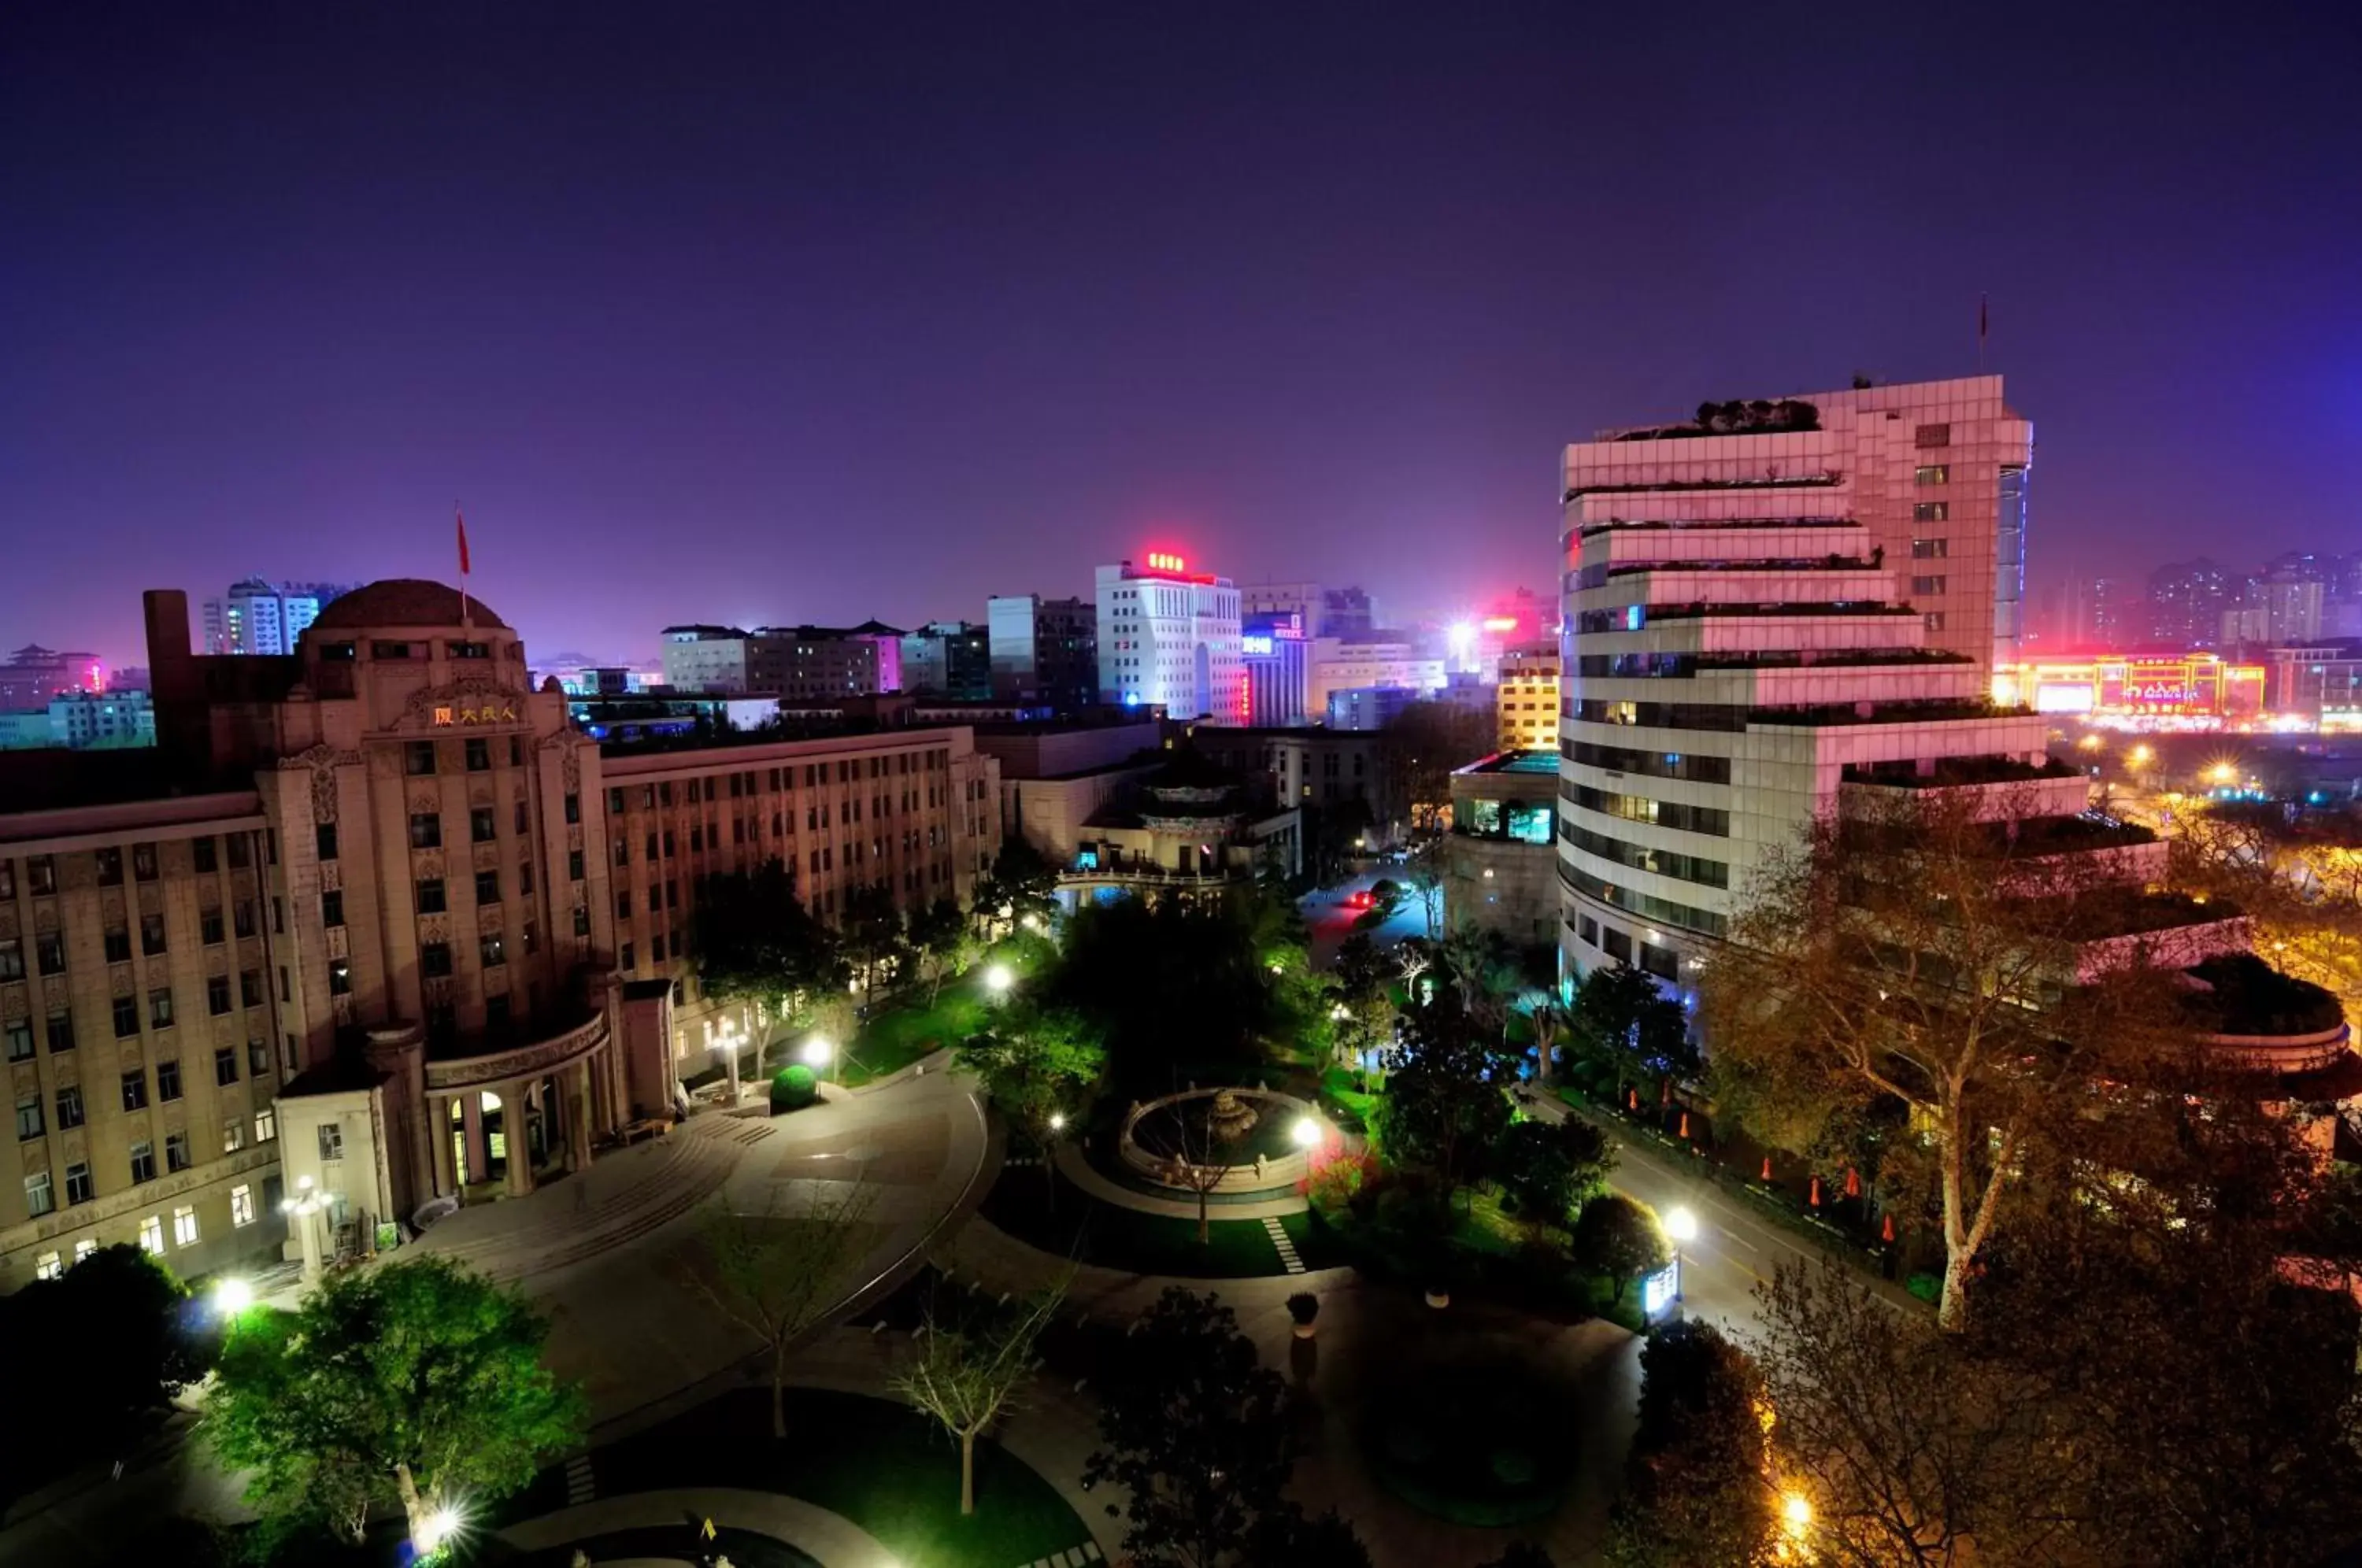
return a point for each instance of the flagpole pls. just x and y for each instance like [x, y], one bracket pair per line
[1983, 310]
[467, 618]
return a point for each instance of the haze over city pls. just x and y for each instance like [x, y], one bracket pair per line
[1297, 293]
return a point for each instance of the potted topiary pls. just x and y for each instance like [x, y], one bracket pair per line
[793, 1089]
[1304, 1306]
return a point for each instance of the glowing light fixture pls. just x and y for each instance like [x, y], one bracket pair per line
[436, 1530]
[2140, 756]
[1306, 1133]
[817, 1051]
[1057, 1120]
[1681, 1224]
[232, 1297]
[999, 978]
[1796, 1515]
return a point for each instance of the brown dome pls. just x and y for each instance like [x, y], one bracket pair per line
[405, 602]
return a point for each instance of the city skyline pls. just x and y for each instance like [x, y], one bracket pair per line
[317, 281]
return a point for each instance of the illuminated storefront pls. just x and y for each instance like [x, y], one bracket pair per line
[2171, 690]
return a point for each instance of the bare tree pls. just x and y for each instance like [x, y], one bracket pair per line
[1968, 960]
[2300, 882]
[967, 1367]
[776, 1272]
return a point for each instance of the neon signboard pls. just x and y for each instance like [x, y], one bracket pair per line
[1164, 560]
[1251, 645]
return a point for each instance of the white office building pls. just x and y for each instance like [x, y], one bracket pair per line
[1170, 635]
[258, 617]
[1754, 629]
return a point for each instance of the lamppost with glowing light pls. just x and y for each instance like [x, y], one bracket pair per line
[437, 1530]
[1682, 1225]
[726, 1041]
[998, 978]
[1797, 1520]
[299, 1210]
[231, 1297]
[820, 1054]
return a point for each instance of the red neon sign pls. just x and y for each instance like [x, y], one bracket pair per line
[1164, 560]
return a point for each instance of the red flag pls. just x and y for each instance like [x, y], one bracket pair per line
[463, 538]
[1984, 311]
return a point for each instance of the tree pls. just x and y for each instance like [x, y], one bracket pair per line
[940, 934]
[418, 1379]
[967, 1367]
[1619, 1237]
[1548, 1170]
[872, 933]
[1289, 1538]
[1698, 1486]
[778, 1272]
[1179, 987]
[1419, 749]
[1446, 1102]
[1193, 1429]
[1038, 1065]
[1620, 1020]
[1020, 885]
[2300, 881]
[1931, 952]
[753, 939]
[1364, 979]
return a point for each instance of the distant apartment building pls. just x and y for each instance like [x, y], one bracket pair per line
[1527, 696]
[789, 662]
[1302, 601]
[83, 720]
[35, 674]
[1338, 664]
[2275, 611]
[2186, 600]
[1323, 768]
[948, 658]
[1044, 651]
[1347, 613]
[1170, 636]
[1366, 707]
[1277, 656]
[258, 617]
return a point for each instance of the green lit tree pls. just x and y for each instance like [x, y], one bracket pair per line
[1020, 884]
[418, 1381]
[752, 941]
[1548, 1170]
[1039, 1066]
[944, 944]
[1619, 1237]
[872, 932]
[967, 1367]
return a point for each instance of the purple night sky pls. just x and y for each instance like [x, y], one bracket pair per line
[789, 312]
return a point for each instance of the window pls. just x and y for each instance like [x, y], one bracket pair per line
[20, 1039]
[1930, 550]
[340, 976]
[241, 1205]
[581, 921]
[1928, 584]
[573, 808]
[12, 958]
[28, 1117]
[143, 1162]
[168, 1080]
[152, 934]
[39, 1200]
[249, 987]
[225, 1065]
[622, 850]
[488, 886]
[523, 822]
[216, 995]
[241, 851]
[418, 759]
[614, 802]
[492, 952]
[176, 1152]
[266, 1125]
[118, 946]
[430, 895]
[212, 930]
[257, 1057]
[1926, 436]
[110, 867]
[241, 917]
[435, 959]
[1934, 620]
[482, 827]
[70, 1106]
[1932, 473]
[516, 751]
[496, 1014]
[574, 866]
[135, 1091]
[201, 851]
[278, 915]
[479, 756]
[389, 650]
[185, 1225]
[668, 843]
[1931, 510]
[48, 1265]
[332, 1141]
[630, 960]
[151, 1235]
[524, 877]
[657, 948]
[41, 872]
[326, 835]
[425, 831]
[672, 894]
[78, 1182]
[159, 1007]
[471, 650]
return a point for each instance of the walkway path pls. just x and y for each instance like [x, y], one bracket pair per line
[1084, 1175]
[831, 1539]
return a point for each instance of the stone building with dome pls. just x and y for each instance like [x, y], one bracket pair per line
[400, 929]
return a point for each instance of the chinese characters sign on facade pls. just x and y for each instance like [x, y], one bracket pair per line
[490, 714]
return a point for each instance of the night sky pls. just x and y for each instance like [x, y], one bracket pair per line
[784, 312]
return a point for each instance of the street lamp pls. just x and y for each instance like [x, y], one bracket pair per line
[299, 1210]
[999, 978]
[2140, 757]
[1057, 1121]
[231, 1297]
[725, 1039]
[1682, 1225]
[820, 1051]
[436, 1532]
[1306, 1133]
[1795, 1517]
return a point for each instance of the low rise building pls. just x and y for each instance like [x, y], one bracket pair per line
[1169, 636]
[1499, 864]
[1044, 652]
[1528, 697]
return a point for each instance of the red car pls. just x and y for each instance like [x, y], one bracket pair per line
[1359, 899]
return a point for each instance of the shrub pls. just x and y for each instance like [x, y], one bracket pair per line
[794, 1088]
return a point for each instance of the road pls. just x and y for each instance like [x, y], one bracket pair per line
[1331, 919]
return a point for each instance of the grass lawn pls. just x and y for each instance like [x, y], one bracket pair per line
[1110, 1236]
[903, 1031]
[880, 1464]
[1338, 1086]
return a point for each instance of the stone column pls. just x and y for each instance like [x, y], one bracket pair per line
[438, 1139]
[513, 1134]
[578, 1117]
[471, 1131]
